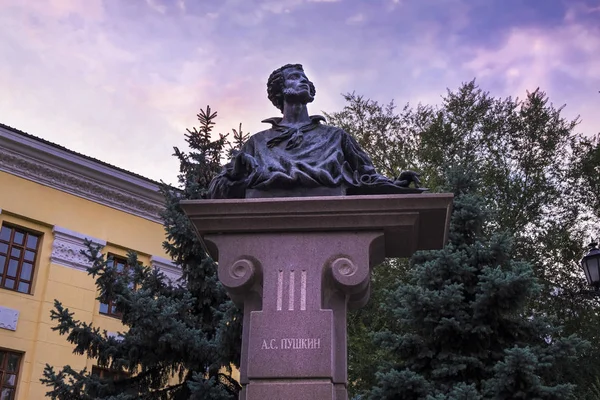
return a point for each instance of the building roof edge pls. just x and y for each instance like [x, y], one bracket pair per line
[52, 165]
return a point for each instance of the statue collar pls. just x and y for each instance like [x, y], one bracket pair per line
[314, 119]
[295, 135]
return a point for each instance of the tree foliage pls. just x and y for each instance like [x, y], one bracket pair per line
[460, 326]
[182, 338]
[538, 180]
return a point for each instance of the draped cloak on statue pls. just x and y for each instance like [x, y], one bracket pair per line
[301, 160]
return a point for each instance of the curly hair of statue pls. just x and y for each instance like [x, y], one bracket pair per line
[276, 82]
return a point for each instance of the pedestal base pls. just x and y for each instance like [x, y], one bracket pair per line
[294, 390]
[296, 265]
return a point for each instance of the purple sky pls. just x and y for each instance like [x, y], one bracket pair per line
[120, 80]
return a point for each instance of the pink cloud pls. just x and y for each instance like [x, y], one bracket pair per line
[139, 82]
[532, 57]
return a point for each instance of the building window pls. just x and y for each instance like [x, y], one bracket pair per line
[18, 253]
[9, 374]
[109, 374]
[110, 308]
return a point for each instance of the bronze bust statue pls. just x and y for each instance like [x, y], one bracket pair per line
[300, 156]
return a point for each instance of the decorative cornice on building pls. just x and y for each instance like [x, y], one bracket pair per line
[167, 267]
[8, 318]
[51, 165]
[67, 247]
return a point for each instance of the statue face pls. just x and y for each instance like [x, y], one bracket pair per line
[296, 87]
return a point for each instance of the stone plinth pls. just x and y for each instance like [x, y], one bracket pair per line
[295, 265]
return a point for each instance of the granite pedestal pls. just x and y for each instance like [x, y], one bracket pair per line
[295, 265]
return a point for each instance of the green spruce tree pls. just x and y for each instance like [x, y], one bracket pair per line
[181, 339]
[460, 327]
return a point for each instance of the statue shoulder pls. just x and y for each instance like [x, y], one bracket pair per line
[260, 136]
[256, 141]
[335, 130]
[321, 122]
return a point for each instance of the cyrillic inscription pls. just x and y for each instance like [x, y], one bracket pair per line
[291, 344]
[269, 344]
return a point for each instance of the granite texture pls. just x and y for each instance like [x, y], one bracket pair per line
[292, 390]
[295, 266]
[410, 222]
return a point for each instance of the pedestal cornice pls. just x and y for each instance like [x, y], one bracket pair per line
[410, 222]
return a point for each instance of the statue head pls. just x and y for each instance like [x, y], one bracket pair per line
[278, 92]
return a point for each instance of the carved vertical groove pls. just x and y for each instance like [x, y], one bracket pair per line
[292, 287]
[279, 290]
[303, 291]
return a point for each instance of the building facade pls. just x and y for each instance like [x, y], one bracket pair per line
[51, 200]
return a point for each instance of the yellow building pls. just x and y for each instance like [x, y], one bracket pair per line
[51, 199]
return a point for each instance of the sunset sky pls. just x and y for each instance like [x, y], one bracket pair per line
[120, 80]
